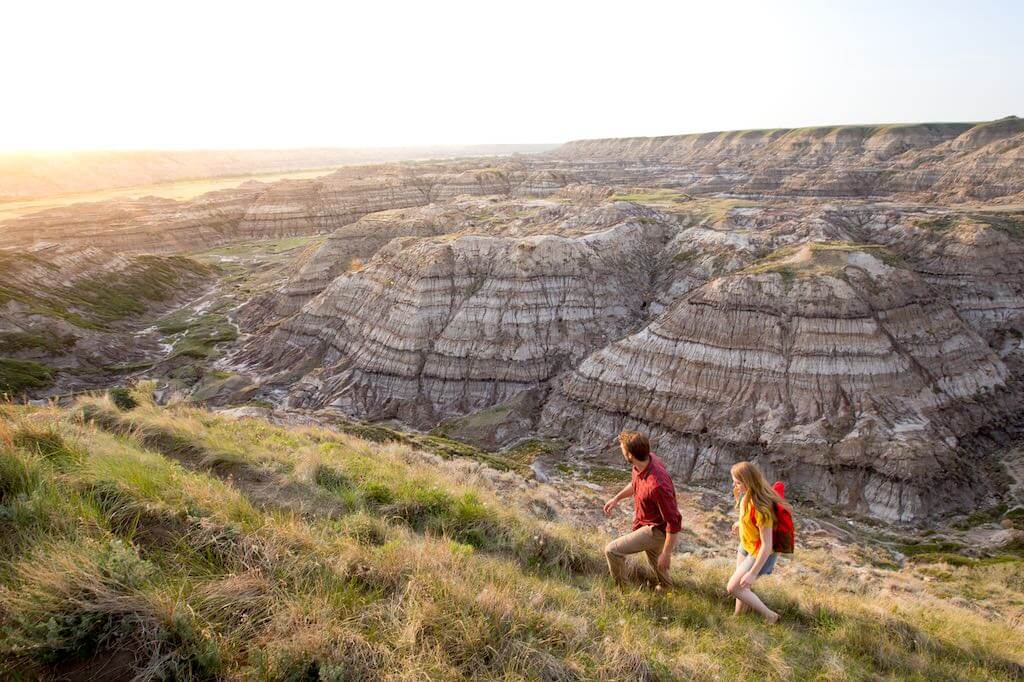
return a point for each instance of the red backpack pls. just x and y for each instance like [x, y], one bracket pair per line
[783, 532]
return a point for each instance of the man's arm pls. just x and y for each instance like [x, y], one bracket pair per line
[665, 558]
[621, 495]
[673, 524]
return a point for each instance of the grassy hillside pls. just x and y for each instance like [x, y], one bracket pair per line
[173, 543]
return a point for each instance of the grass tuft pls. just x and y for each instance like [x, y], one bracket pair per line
[181, 544]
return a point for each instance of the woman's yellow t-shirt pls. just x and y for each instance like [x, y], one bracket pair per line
[750, 532]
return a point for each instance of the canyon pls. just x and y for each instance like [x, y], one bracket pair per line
[843, 305]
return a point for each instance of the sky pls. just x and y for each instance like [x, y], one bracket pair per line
[223, 74]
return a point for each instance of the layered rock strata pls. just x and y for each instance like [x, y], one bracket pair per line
[257, 210]
[841, 373]
[448, 325]
[349, 247]
[974, 260]
[77, 311]
[947, 161]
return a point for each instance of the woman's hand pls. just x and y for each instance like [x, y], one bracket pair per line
[735, 527]
[747, 580]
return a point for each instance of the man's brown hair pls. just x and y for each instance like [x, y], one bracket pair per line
[636, 444]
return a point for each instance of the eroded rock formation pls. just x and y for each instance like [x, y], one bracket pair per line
[937, 161]
[73, 313]
[256, 210]
[845, 305]
[806, 362]
[446, 325]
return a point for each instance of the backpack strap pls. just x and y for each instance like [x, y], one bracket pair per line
[753, 522]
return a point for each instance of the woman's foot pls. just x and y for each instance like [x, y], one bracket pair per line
[772, 618]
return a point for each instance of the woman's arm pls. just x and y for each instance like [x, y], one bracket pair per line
[763, 553]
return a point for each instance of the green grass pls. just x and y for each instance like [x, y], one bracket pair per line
[477, 421]
[197, 335]
[99, 301]
[1010, 224]
[716, 211]
[207, 548]
[434, 442]
[527, 451]
[652, 196]
[262, 248]
[13, 342]
[154, 279]
[18, 376]
[601, 475]
[937, 224]
[826, 258]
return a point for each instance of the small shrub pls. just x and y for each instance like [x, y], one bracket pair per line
[122, 398]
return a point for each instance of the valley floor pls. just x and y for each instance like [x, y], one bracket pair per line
[178, 543]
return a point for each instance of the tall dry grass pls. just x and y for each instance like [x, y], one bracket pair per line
[211, 548]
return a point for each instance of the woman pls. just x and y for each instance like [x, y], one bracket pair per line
[755, 502]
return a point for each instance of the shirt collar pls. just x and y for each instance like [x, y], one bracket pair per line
[647, 469]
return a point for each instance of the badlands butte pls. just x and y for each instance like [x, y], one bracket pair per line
[843, 305]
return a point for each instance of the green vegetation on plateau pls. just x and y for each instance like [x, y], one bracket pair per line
[18, 376]
[101, 300]
[173, 543]
[1009, 223]
[653, 196]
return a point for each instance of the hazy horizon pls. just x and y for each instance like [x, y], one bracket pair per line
[190, 76]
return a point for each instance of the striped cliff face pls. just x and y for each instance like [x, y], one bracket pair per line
[861, 351]
[931, 161]
[853, 321]
[256, 210]
[453, 324]
[826, 363]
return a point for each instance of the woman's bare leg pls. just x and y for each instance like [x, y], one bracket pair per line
[746, 596]
[735, 578]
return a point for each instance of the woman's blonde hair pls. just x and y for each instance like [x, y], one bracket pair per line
[762, 496]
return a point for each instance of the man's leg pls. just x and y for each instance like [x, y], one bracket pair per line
[653, 552]
[616, 551]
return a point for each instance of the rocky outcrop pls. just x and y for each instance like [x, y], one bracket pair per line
[349, 247]
[448, 325]
[256, 210]
[948, 161]
[77, 311]
[834, 368]
[40, 174]
[346, 249]
[975, 260]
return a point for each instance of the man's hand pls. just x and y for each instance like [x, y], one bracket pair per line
[664, 562]
[610, 506]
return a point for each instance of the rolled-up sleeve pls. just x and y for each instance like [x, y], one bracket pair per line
[666, 498]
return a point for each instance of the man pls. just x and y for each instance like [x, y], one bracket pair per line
[656, 519]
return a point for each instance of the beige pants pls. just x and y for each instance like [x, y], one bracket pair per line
[644, 539]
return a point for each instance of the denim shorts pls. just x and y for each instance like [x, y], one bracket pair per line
[769, 565]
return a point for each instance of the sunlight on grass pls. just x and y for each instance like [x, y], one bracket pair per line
[147, 530]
